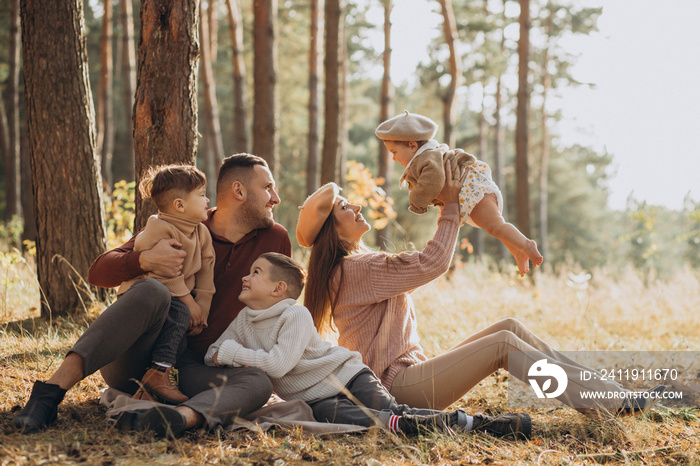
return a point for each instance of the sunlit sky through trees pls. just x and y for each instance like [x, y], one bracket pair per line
[644, 108]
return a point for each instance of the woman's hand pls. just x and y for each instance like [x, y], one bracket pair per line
[454, 180]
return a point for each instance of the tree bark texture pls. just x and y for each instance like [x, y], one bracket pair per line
[105, 106]
[165, 111]
[240, 108]
[312, 159]
[265, 111]
[448, 98]
[65, 167]
[522, 191]
[128, 70]
[13, 176]
[329, 155]
[215, 153]
[29, 230]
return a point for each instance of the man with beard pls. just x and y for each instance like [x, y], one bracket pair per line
[119, 341]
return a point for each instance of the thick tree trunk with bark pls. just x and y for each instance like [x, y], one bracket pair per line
[265, 112]
[215, 153]
[448, 98]
[13, 176]
[128, 69]
[65, 167]
[331, 64]
[312, 159]
[165, 111]
[522, 191]
[105, 106]
[240, 108]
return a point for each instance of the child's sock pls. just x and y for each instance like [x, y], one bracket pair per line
[464, 420]
[393, 423]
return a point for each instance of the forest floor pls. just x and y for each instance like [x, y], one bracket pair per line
[607, 312]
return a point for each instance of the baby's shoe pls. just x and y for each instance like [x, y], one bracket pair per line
[160, 384]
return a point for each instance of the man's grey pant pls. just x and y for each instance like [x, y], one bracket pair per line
[119, 343]
[371, 405]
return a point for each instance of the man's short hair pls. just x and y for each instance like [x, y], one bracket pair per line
[237, 167]
[165, 183]
[287, 270]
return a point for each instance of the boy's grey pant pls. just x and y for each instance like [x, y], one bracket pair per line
[120, 341]
[376, 405]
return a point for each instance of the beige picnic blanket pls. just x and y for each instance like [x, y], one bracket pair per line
[282, 414]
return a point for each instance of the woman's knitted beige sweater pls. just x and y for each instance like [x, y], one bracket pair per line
[374, 313]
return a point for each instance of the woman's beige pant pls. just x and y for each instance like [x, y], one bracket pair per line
[442, 380]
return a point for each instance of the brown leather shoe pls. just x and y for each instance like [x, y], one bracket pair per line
[160, 384]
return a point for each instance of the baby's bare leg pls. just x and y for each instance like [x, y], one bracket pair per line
[487, 216]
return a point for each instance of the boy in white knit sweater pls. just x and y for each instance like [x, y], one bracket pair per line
[278, 336]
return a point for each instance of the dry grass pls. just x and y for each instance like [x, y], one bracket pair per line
[613, 313]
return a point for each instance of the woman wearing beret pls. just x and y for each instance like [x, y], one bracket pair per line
[366, 295]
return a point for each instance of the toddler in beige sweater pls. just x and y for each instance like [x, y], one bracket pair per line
[409, 138]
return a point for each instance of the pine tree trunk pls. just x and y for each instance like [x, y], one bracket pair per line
[544, 159]
[499, 137]
[65, 167]
[448, 98]
[522, 192]
[240, 109]
[498, 160]
[386, 109]
[483, 151]
[105, 113]
[29, 230]
[215, 154]
[13, 176]
[128, 69]
[331, 113]
[4, 136]
[165, 111]
[343, 103]
[265, 116]
[213, 26]
[314, 90]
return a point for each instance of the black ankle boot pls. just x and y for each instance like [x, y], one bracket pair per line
[40, 410]
[514, 425]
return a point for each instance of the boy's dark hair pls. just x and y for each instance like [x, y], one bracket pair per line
[165, 183]
[285, 269]
[237, 167]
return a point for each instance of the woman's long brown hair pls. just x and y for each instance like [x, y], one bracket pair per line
[327, 252]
